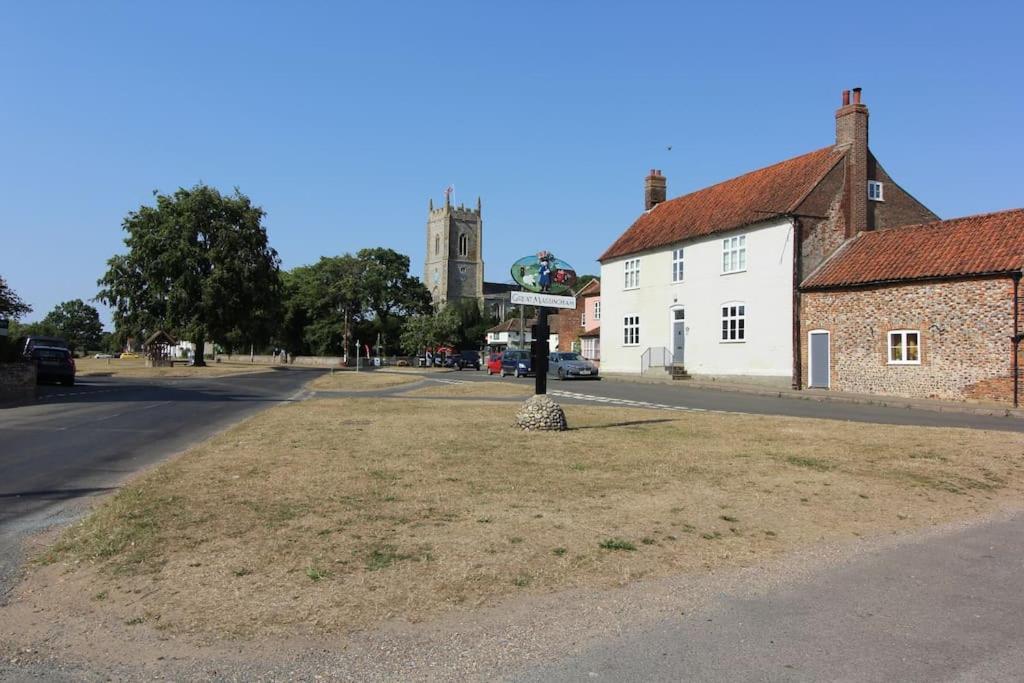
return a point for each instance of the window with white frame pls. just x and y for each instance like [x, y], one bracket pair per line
[734, 322]
[631, 330]
[905, 347]
[875, 190]
[734, 254]
[597, 311]
[677, 265]
[632, 274]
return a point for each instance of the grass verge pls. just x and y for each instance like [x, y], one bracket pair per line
[366, 380]
[332, 515]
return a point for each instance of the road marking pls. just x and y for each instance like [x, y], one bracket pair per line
[630, 403]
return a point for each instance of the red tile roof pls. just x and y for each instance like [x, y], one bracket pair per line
[744, 200]
[974, 245]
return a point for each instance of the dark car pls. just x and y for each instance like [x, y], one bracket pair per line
[468, 359]
[53, 364]
[570, 365]
[32, 341]
[516, 363]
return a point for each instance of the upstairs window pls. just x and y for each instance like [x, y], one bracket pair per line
[597, 310]
[734, 254]
[463, 245]
[875, 191]
[905, 347]
[583, 318]
[734, 322]
[677, 265]
[631, 270]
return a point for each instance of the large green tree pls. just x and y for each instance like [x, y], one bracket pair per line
[199, 267]
[428, 331]
[78, 323]
[11, 305]
[338, 300]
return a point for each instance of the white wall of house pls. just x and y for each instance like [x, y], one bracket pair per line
[511, 338]
[764, 288]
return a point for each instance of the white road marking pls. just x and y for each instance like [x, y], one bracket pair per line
[627, 402]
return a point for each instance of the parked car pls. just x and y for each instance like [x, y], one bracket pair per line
[100, 356]
[33, 341]
[130, 355]
[53, 364]
[468, 359]
[451, 360]
[569, 365]
[493, 363]
[516, 363]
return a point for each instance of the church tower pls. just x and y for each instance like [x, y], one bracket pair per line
[454, 267]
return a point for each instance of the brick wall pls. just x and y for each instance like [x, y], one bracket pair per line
[898, 206]
[965, 328]
[17, 382]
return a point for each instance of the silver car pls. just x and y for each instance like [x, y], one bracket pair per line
[571, 365]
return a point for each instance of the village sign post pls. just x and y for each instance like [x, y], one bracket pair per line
[546, 281]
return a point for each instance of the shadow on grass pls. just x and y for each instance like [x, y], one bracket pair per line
[630, 423]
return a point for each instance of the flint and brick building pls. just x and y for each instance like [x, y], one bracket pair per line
[740, 277]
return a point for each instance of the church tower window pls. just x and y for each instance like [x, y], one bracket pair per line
[463, 245]
[437, 244]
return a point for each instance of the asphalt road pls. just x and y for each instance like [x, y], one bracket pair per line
[682, 396]
[947, 608]
[76, 442]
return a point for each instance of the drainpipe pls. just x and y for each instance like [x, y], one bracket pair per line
[1016, 339]
[797, 239]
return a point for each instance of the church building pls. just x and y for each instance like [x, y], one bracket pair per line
[454, 266]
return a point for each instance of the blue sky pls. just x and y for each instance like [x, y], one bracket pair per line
[342, 119]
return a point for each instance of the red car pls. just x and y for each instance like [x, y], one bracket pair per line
[494, 364]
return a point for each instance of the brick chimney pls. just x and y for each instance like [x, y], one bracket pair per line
[655, 187]
[852, 134]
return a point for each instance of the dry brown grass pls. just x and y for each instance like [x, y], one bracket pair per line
[136, 367]
[367, 380]
[332, 515]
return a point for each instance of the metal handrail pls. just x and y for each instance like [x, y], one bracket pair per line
[655, 357]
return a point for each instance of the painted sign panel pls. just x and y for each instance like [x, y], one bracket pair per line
[546, 300]
[544, 273]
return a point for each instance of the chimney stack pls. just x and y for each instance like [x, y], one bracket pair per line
[655, 188]
[852, 134]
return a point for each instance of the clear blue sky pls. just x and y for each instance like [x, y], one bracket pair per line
[341, 121]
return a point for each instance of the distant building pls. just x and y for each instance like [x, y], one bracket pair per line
[454, 266]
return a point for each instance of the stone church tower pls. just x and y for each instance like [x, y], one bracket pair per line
[454, 267]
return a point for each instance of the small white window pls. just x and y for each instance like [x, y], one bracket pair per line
[874, 190]
[597, 310]
[734, 322]
[905, 347]
[632, 274]
[677, 265]
[734, 254]
[631, 330]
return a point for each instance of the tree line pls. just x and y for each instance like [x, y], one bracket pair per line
[198, 265]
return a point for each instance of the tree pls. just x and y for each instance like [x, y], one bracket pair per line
[339, 299]
[11, 305]
[199, 267]
[77, 322]
[428, 331]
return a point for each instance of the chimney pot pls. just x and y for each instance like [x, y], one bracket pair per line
[846, 98]
[856, 95]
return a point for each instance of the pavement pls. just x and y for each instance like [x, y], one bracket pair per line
[74, 443]
[945, 608]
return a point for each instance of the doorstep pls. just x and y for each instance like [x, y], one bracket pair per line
[765, 389]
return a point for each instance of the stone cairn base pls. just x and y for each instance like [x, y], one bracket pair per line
[540, 413]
